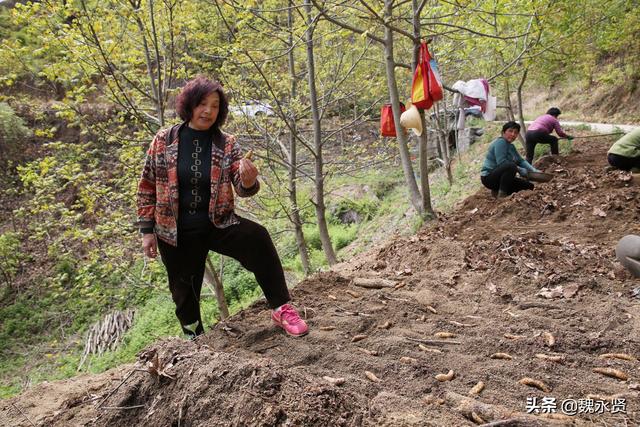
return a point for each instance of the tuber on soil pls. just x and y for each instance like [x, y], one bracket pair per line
[445, 377]
[334, 381]
[429, 399]
[505, 356]
[428, 349]
[476, 389]
[534, 383]
[514, 337]
[374, 283]
[476, 418]
[464, 325]
[444, 335]
[367, 351]
[385, 325]
[372, 376]
[622, 356]
[549, 339]
[359, 337]
[554, 358]
[611, 372]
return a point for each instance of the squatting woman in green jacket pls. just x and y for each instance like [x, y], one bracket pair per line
[502, 162]
[625, 153]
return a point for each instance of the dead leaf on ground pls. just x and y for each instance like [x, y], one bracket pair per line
[570, 290]
[551, 293]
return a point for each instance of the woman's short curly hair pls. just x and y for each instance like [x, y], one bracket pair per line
[194, 92]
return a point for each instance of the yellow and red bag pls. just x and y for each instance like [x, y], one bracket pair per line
[427, 85]
[387, 124]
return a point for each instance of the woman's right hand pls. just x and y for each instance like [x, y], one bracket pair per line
[150, 245]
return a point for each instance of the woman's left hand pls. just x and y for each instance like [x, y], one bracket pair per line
[248, 173]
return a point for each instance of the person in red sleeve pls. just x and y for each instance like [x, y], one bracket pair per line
[539, 132]
[185, 206]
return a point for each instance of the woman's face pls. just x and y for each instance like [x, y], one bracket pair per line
[206, 113]
[510, 134]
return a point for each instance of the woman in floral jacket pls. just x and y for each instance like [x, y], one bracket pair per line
[186, 207]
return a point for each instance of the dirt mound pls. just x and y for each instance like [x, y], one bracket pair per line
[532, 276]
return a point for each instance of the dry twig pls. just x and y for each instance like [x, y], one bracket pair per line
[432, 342]
[23, 414]
[124, 380]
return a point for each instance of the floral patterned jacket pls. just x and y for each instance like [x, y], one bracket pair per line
[157, 198]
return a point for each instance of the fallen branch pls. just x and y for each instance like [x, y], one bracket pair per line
[352, 313]
[23, 414]
[432, 342]
[123, 407]
[526, 305]
[116, 389]
[180, 410]
[511, 422]
[373, 283]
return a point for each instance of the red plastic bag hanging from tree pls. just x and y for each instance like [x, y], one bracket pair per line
[427, 86]
[387, 124]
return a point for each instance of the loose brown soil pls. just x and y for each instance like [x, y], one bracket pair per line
[476, 273]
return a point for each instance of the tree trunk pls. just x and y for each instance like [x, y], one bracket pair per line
[443, 141]
[405, 159]
[523, 127]
[512, 117]
[293, 157]
[211, 275]
[152, 81]
[445, 137]
[317, 140]
[427, 209]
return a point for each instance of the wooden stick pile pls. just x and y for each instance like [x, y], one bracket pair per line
[106, 334]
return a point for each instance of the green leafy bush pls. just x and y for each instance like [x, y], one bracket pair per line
[343, 235]
[10, 256]
[13, 132]
[365, 208]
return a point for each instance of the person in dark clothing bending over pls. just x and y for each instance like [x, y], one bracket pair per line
[539, 132]
[502, 162]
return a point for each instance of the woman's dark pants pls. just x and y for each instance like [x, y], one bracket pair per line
[622, 162]
[535, 137]
[503, 178]
[247, 242]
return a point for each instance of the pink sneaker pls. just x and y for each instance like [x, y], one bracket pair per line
[289, 320]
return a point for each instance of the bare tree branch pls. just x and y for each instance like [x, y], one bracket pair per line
[344, 25]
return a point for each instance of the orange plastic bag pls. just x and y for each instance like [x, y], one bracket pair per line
[387, 124]
[427, 86]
